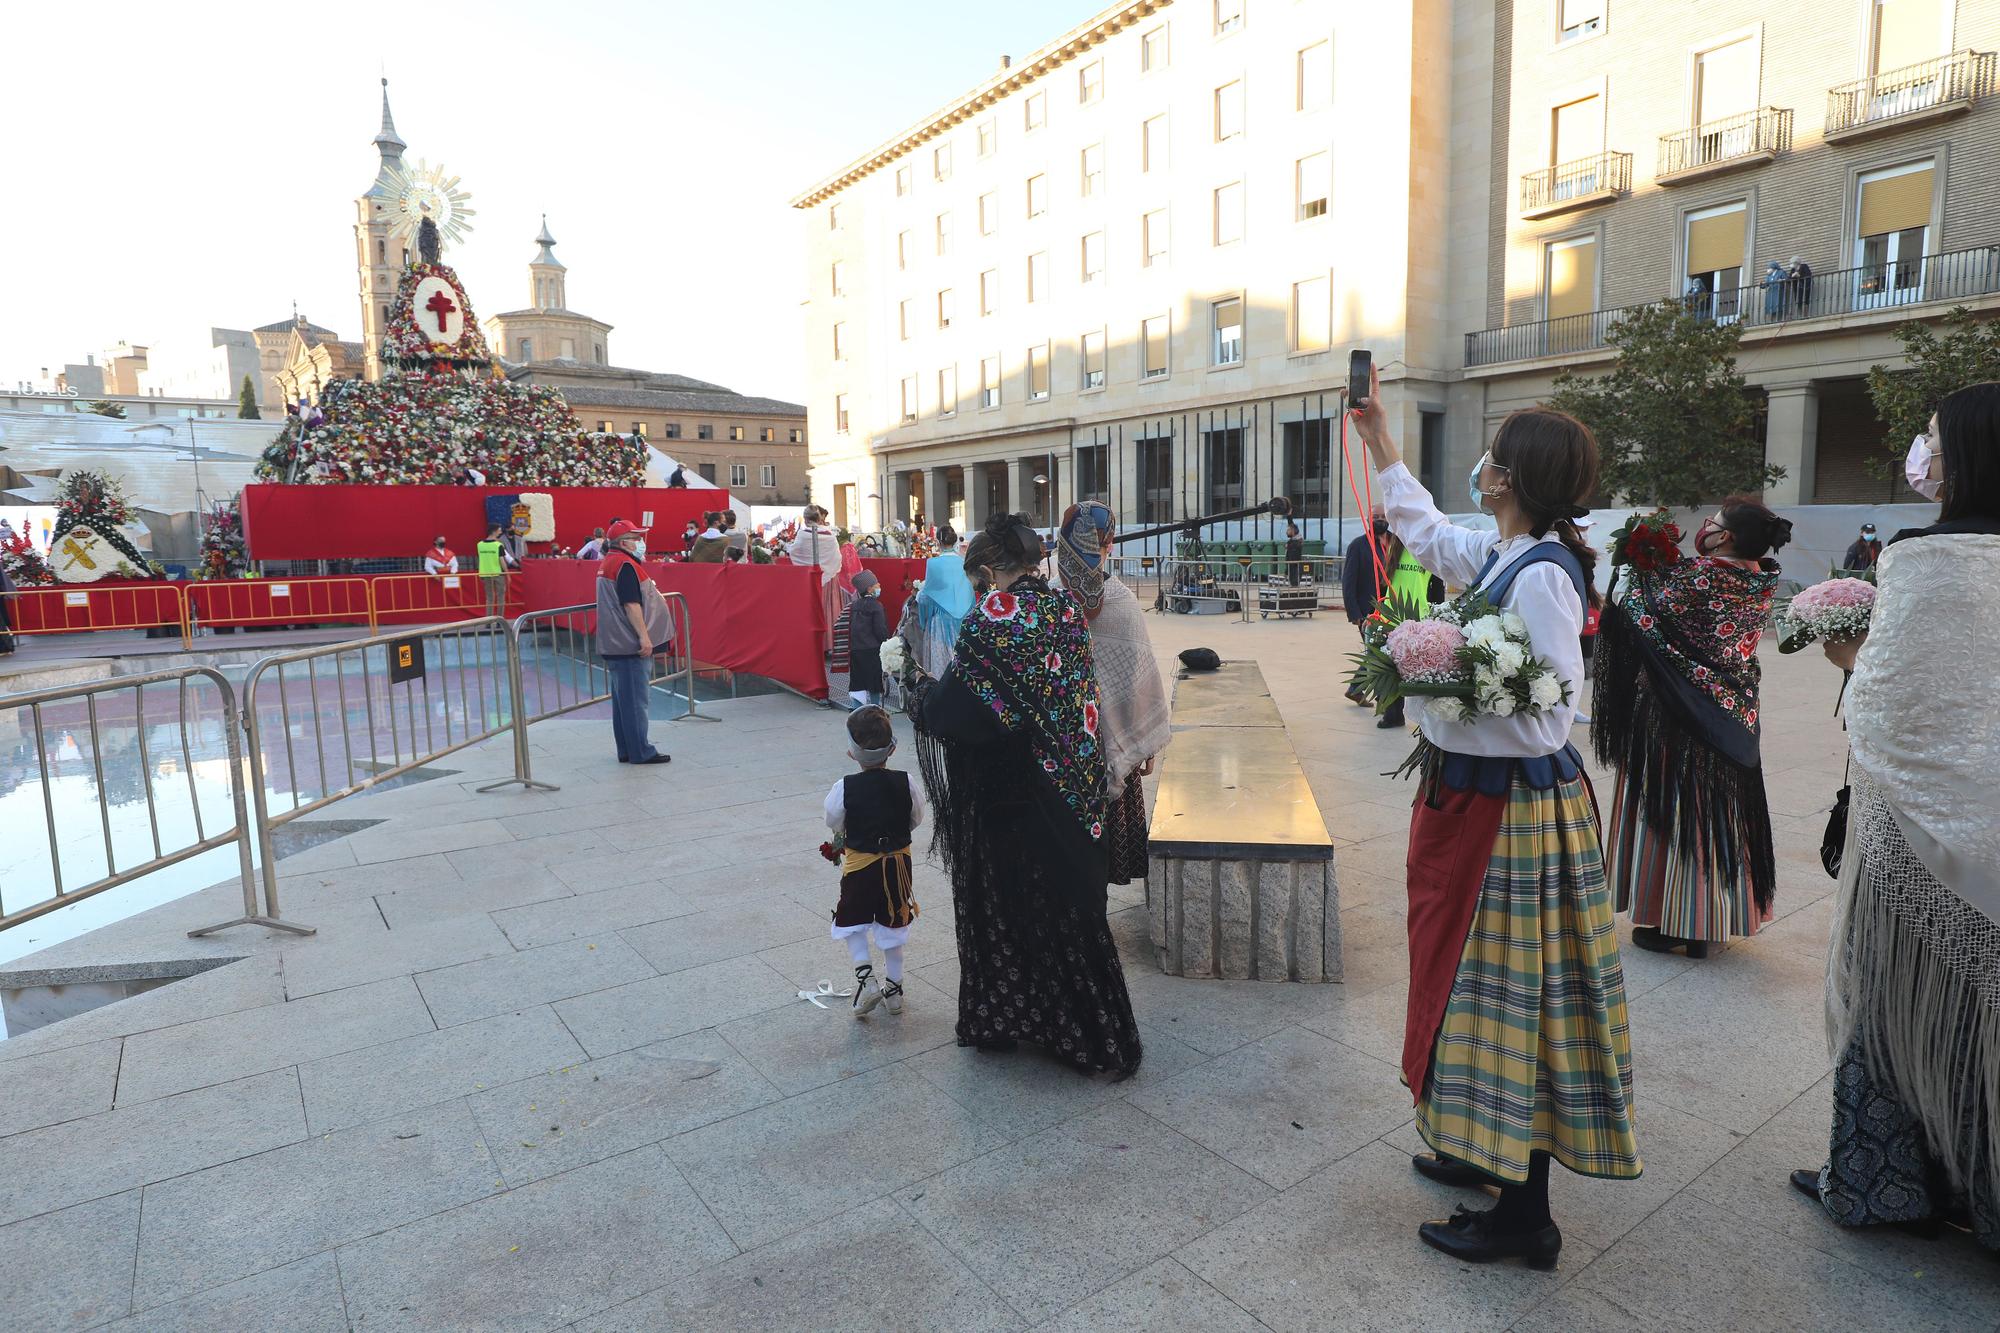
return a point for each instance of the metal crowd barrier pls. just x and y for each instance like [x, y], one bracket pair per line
[36, 701]
[249, 602]
[453, 594]
[85, 608]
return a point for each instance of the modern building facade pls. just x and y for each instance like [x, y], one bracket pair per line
[1131, 265]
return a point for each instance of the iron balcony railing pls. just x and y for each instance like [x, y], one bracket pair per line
[1553, 186]
[1766, 130]
[1955, 276]
[1963, 76]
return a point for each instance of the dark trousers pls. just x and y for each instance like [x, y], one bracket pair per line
[630, 707]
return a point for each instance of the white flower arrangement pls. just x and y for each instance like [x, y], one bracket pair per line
[895, 655]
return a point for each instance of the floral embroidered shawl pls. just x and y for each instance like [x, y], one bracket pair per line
[1704, 616]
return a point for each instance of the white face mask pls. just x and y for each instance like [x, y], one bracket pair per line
[1917, 469]
[638, 548]
[1480, 497]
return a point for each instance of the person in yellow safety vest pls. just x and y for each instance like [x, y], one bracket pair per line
[1409, 581]
[493, 559]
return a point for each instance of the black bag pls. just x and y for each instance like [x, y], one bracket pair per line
[1834, 841]
[1201, 659]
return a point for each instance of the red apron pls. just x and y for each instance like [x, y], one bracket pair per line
[1450, 845]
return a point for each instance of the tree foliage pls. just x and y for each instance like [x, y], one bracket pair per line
[246, 402]
[104, 407]
[1956, 351]
[1674, 418]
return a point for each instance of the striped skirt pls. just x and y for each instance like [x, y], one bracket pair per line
[1686, 897]
[1533, 1053]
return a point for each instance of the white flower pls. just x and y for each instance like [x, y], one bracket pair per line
[1485, 632]
[1545, 691]
[1486, 680]
[1508, 658]
[1516, 627]
[1446, 709]
[895, 656]
[1500, 705]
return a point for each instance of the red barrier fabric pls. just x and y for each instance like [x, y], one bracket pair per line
[273, 603]
[897, 575]
[430, 599]
[66, 608]
[762, 619]
[376, 522]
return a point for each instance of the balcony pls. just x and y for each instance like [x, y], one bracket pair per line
[1584, 183]
[1957, 276]
[1709, 149]
[1912, 95]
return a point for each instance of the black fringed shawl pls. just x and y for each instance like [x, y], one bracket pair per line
[1675, 706]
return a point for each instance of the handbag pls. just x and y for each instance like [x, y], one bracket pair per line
[1834, 841]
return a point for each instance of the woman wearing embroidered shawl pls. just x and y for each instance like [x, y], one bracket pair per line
[1913, 980]
[1137, 721]
[1675, 713]
[1008, 743]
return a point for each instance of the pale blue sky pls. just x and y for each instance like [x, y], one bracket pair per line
[191, 164]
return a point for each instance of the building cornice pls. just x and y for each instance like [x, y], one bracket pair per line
[1092, 32]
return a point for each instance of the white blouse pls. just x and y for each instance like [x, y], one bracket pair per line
[1541, 595]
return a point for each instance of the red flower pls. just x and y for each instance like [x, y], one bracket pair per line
[1750, 717]
[826, 850]
[1090, 719]
[1053, 661]
[1645, 621]
[1000, 605]
[1726, 629]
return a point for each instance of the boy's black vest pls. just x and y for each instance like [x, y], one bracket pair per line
[878, 810]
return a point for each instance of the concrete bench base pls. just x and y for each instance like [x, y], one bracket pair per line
[1245, 920]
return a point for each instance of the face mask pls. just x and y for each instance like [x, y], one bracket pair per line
[1917, 469]
[1708, 538]
[639, 548]
[1479, 497]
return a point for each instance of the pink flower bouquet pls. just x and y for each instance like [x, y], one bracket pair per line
[1426, 656]
[1828, 612]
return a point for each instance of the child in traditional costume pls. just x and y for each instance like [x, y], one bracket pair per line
[874, 813]
[1515, 1048]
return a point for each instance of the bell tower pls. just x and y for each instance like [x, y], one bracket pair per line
[545, 273]
[379, 260]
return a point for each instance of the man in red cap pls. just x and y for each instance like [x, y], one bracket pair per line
[633, 624]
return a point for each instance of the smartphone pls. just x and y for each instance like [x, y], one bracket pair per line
[1360, 364]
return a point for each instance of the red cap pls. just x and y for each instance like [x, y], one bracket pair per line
[623, 528]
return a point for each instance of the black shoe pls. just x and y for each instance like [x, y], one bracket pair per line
[1806, 1182]
[1447, 1171]
[656, 759]
[1389, 722]
[1472, 1237]
[1652, 941]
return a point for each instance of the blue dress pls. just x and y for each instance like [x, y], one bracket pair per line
[946, 597]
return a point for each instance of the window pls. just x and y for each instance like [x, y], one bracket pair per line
[902, 249]
[1315, 77]
[941, 162]
[1223, 453]
[739, 474]
[1153, 334]
[1038, 195]
[796, 436]
[568, 349]
[839, 278]
[597, 353]
[1309, 467]
[1156, 480]
[381, 251]
[1228, 16]
[1576, 131]
[1907, 32]
[1093, 476]
[989, 213]
[989, 136]
[1153, 49]
[1578, 18]
[1035, 111]
[527, 349]
[1314, 183]
[1312, 316]
[606, 428]
[737, 434]
[1093, 360]
[945, 306]
[1893, 225]
[944, 233]
[767, 475]
[839, 414]
[673, 430]
[766, 435]
[1569, 283]
[989, 381]
[1153, 237]
[1713, 245]
[909, 399]
[948, 392]
[1093, 170]
[704, 431]
[1090, 83]
[903, 180]
[708, 472]
[1038, 372]
[840, 342]
[1229, 110]
[1153, 144]
[1038, 277]
[1226, 324]
[639, 429]
[1725, 85]
[1229, 213]
[1093, 256]
[833, 217]
[903, 320]
[989, 291]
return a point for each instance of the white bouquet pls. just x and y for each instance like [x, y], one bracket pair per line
[1470, 658]
[895, 656]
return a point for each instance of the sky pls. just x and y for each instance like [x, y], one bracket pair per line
[186, 165]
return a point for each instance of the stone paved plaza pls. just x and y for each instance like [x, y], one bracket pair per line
[544, 1066]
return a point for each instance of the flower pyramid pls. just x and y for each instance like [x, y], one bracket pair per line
[441, 408]
[87, 498]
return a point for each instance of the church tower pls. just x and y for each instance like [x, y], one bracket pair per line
[546, 329]
[380, 261]
[546, 274]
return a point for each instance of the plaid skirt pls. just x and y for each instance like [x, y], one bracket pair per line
[1534, 1053]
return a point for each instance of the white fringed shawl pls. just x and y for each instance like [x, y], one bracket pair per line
[1136, 724]
[1914, 969]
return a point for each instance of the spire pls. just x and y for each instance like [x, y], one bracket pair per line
[545, 255]
[389, 144]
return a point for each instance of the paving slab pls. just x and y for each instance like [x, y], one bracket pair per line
[412, 838]
[595, 1109]
[360, 1086]
[1027, 1089]
[63, 1084]
[300, 889]
[299, 1298]
[213, 1050]
[204, 1230]
[741, 927]
[324, 964]
[416, 902]
[649, 865]
[503, 859]
[642, 1012]
[1067, 1211]
[245, 984]
[764, 1174]
[1162, 1297]
[58, 1165]
[546, 1254]
[586, 914]
[801, 1046]
[71, 1268]
[480, 989]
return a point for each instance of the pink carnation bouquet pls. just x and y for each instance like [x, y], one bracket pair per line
[1426, 653]
[1828, 612]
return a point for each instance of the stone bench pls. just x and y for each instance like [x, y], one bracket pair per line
[1242, 881]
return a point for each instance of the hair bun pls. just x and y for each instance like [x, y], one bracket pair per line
[1781, 532]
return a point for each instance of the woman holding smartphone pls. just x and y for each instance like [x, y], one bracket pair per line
[1515, 1044]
